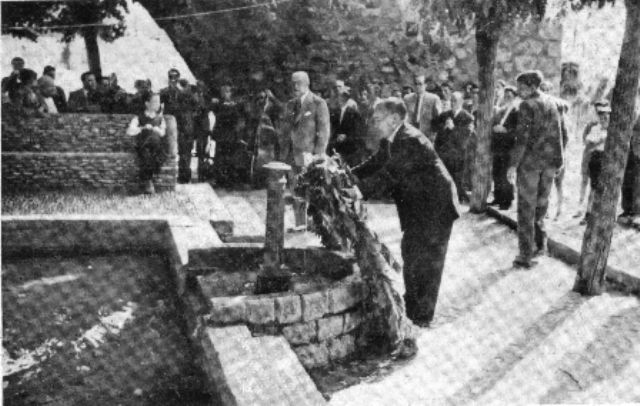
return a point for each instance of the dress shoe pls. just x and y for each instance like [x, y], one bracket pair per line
[505, 206]
[523, 263]
[624, 219]
[495, 203]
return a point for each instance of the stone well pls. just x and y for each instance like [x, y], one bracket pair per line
[320, 315]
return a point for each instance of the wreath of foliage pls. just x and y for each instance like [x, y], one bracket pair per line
[335, 203]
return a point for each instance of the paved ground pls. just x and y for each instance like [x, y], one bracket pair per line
[500, 335]
[503, 335]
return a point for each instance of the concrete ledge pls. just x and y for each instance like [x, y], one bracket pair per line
[256, 371]
[571, 256]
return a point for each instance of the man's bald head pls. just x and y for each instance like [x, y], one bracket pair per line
[301, 83]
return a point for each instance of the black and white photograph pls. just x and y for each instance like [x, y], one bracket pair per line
[320, 202]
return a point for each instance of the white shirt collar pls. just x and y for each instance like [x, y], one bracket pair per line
[393, 136]
[304, 96]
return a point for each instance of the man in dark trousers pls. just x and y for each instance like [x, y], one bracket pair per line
[454, 128]
[345, 129]
[407, 167]
[537, 157]
[503, 140]
[631, 181]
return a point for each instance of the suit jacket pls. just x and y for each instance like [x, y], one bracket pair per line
[430, 108]
[79, 102]
[451, 144]
[539, 135]
[502, 143]
[349, 126]
[410, 170]
[308, 131]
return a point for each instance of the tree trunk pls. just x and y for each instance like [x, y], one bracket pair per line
[487, 37]
[90, 35]
[597, 237]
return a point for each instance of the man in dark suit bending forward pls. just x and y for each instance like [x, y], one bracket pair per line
[407, 167]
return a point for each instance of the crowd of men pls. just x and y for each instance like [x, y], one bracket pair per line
[416, 147]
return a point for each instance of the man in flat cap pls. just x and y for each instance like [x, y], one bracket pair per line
[537, 157]
[304, 135]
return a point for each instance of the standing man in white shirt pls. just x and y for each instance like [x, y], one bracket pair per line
[422, 108]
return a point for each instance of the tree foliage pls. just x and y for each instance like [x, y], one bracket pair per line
[29, 16]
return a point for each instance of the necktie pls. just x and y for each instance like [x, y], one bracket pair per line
[385, 149]
[297, 106]
[416, 112]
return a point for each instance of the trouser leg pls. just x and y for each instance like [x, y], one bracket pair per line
[527, 181]
[424, 253]
[185, 144]
[542, 205]
[631, 185]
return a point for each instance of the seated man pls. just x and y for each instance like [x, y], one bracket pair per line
[150, 127]
[60, 98]
[85, 100]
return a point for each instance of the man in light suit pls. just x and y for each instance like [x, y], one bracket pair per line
[422, 108]
[304, 135]
[85, 100]
[537, 157]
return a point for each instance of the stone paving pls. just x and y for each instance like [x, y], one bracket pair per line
[503, 335]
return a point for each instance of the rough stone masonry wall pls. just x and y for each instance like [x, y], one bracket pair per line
[321, 325]
[76, 151]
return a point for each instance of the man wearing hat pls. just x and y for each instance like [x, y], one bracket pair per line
[174, 102]
[537, 156]
[304, 134]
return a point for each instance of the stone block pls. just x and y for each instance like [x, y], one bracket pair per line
[288, 309]
[301, 333]
[352, 320]
[260, 310]
[345, 296]
[314, 305]
[228, 310]
[331, 326]
[341, 347]
[312, 355]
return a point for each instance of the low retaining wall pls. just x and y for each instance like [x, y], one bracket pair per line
[77, 151]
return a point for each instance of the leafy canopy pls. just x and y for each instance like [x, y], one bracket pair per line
[30, 16]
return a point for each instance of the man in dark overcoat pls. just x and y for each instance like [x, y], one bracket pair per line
[407, 167]
[454, 127]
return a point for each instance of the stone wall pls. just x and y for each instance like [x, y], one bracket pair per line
[77, 151]
[386, 39]
[322, 325]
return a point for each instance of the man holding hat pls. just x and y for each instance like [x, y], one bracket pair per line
[537, 156]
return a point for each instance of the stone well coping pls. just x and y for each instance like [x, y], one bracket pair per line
[332, 264]
[284, 308]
